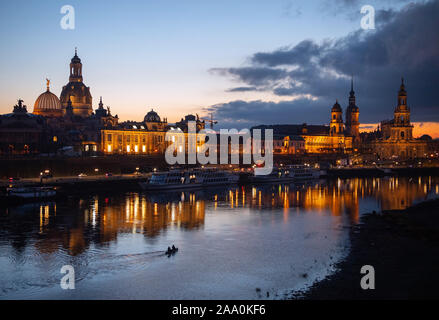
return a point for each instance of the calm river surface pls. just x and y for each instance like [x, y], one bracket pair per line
[234, 243]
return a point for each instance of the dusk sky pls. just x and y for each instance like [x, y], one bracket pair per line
[249, 62]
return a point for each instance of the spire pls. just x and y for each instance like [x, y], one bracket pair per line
[48, 84]
[352, 94]
[402, 87]
[402, 97]
[101, 105]
[76, 51]
[352, 85]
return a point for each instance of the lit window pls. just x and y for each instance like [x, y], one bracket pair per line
[143, 148]
[109, 148]
[128, 149]
[136, 148]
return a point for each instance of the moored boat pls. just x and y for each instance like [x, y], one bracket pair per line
[302, 172]
[31, 192]
[181, 179]
[288, 174]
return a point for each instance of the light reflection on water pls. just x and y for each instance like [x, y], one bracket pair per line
[232, 241]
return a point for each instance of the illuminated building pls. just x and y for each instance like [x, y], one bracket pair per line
[76, 91]
[396, 135]
[304, 138]
[48, 104]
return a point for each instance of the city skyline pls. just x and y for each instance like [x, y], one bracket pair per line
[227, 92]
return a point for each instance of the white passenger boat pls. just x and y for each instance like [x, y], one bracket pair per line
[288, 174]
[214, 177]
[31, 192]
[197, 178]
[277, 175]
[301, 172]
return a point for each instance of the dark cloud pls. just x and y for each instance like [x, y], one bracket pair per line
[253, 75]
[242, 89]
[299, 54]
[405, 43]
[242, 114]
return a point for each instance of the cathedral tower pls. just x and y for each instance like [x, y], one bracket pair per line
[353, 116]
[336, 125]
[77, 91]
[402, 129]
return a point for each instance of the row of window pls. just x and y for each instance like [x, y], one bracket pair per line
[128, 149]
[132, 138]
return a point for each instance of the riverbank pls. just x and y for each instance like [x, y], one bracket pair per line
[402, 246]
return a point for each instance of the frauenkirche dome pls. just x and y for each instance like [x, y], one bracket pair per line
[76, 91]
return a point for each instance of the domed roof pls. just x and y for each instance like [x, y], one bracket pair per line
[76, 89]
[75, 58]
[152, 116]
[336, 107]
[47, 102]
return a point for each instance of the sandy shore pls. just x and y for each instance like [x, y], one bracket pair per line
[402, 246]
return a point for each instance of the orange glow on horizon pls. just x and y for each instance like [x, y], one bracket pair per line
[420, 128]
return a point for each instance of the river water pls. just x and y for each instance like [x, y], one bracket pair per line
[241, 242]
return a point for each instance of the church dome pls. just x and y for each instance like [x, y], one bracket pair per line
[75, 58]
[48, 104]
[336, 107]
[152, 116]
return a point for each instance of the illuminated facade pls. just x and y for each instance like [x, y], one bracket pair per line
[132, 141]
[396, 135]
[316, 139]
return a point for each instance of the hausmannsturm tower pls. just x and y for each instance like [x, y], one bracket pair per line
[77, 91]
[353, 117]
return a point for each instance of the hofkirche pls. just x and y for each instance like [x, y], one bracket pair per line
[68, 125]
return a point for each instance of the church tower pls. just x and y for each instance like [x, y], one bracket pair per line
[402, 129]
[76, 91]
[353, 116]
[336, 124]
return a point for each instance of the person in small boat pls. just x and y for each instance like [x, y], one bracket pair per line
[174, 248]
[169, 251]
